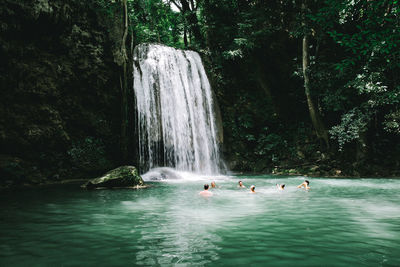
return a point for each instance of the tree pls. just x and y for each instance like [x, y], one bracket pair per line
[314, 113]
[124, 84]
[155, 21]
[188, 10]
[368, 35]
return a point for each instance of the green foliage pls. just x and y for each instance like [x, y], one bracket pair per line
[154, 21]
[109, 6]
[363, 28]
[89, 154]
[353, 124]
[367, 38]
[392, 122]
[269, 143]
[149, 20]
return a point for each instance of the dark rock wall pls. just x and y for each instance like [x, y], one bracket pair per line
[60, 94]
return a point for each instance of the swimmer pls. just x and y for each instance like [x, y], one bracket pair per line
[252, 189]
[241, 184]
[213, 185]
[280, 186]
[205, 192]
[304, 184]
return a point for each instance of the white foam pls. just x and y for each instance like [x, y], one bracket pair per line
[167, 174]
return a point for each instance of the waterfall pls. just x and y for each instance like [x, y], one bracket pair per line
[176, 124]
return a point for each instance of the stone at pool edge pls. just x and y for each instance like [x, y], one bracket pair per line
[121, 177]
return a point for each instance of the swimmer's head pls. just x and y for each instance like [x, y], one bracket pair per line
[282, 186]
[240, 182]
[307, 182]
[252, 188]
[206, 186]
[212, 184]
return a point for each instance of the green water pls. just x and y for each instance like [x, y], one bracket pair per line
[339, 222]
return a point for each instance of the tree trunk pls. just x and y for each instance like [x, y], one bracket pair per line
[185, 40]
[314, 113]
[191, 20]
[124, 86]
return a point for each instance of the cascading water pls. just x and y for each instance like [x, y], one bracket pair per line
[175, 110]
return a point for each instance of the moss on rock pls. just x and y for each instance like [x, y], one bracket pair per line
[124, 176]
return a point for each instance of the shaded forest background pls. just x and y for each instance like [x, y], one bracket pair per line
[310, 87]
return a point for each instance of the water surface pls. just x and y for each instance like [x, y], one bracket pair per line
[339, 222]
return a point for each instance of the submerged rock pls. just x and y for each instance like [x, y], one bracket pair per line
[121, 177]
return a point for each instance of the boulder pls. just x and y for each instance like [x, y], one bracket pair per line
[121, 177]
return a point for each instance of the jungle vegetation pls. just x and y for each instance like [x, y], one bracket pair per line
[296, 81]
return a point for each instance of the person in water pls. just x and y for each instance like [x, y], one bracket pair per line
[280, 186]
[213, 185]
[304, 184]
[252, 189]
[205, 192]
[241, 185]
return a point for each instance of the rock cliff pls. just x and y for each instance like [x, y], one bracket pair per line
[60, 91]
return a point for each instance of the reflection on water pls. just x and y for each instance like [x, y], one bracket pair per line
[339, 222]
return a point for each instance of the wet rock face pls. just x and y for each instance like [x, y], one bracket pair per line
[121, 177]
[59, 97]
